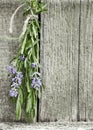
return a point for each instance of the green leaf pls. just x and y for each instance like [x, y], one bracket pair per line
[39, 93]
[33, 113]
[44, 7]
[37, 23]
[25, 63]
[28, 86]
[19, 104]
[23, 45]
[34, 30]
[34, 99]
[20, 96]
[28, 44]
[34, 55]
[29, 103]
[29, 54]
[18, 109]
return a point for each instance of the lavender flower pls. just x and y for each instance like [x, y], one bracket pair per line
[13, 92]
[14, 84]
[19, 75]
[11, 70]
[36, 83]
[19, 81]
[16, 78]
[22, 57]
[34, 65]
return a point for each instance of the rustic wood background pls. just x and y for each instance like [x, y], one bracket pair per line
[8, 49]
[66, 59]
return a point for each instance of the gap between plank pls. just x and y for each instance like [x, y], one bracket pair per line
[39, 35]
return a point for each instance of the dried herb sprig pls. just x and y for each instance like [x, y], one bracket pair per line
[27, 87]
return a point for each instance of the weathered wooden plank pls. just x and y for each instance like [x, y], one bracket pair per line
[8, 49]
[9, 1]
[86, 61]
[47, 126]
[59, 60]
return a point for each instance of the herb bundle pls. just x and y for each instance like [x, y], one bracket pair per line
[26, 80]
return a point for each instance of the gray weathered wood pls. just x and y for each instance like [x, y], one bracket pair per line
[47, 126]
[59, 60]
[66, 59]
[8, 49]
[86, 62]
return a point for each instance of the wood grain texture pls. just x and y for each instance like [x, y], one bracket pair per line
[59, 60]
[8, 49]
[86, 62]
[47, 126]
[66, 59]
[14, 2]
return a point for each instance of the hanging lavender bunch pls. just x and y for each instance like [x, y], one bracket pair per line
[26, 81]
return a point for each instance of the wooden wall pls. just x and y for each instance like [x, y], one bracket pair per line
[67, 61]
[8, 49]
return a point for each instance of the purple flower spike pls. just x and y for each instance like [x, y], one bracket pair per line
[14, 71]
[13, 79]
[11, 70]
[13, 93]
[19, 75]
[17, 80]
[34, 65]
[15, 85]
[36, 83]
